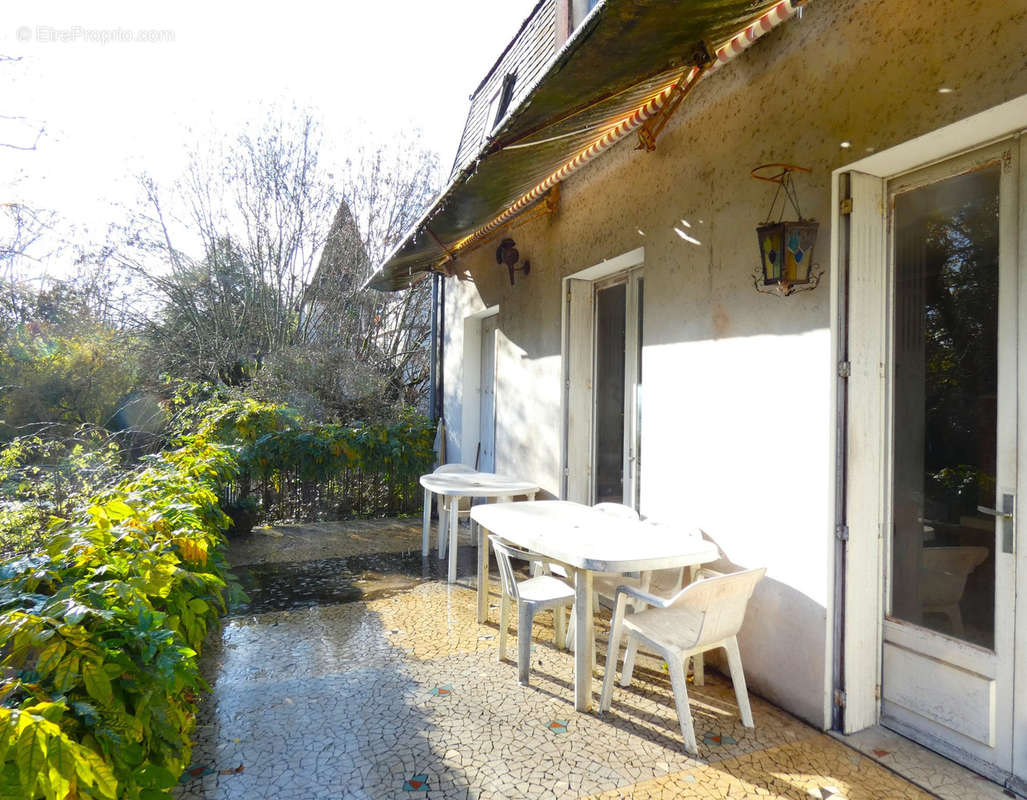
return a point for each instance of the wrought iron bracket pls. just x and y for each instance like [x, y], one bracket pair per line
[784, 288]
[651, 128]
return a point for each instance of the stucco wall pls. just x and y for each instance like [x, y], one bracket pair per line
[736, 427]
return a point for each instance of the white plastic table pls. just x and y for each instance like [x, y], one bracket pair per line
[586, 540]
[452, 486]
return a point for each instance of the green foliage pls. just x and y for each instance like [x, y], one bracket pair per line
[101, 629]
[59, 362]
[271, 438]
[45, 476]
[401, 450]
[273, 443]
[278, 448]
[244, 421]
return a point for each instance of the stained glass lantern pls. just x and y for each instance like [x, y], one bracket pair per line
[786, 252]
[786, 246]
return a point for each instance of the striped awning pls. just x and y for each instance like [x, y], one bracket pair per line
[628, 62]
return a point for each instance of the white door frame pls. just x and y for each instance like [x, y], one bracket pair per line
[577, 398]
[865, 489]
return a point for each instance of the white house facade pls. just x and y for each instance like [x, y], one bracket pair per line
[863, 437]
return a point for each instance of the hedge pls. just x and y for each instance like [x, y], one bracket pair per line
[306, 471]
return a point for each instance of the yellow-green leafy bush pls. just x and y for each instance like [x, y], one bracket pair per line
[100, 631]
[100, 627]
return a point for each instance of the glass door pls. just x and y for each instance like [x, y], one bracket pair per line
[950, 596]
[486, 458]
[617, 389]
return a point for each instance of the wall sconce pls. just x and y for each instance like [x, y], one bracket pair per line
[786, 247]
[507, 254]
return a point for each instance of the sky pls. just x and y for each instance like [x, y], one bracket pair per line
[122, 87]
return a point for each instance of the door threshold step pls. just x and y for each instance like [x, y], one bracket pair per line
[930, 771]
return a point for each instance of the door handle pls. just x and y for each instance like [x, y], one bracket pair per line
[1006, 515]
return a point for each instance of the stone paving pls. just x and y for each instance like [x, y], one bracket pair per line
[396, 691]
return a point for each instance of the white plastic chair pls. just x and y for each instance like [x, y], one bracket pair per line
[662, 582]
[531, 595]
[453, 468]
[444, 511]
[703, 616]
[943, 574]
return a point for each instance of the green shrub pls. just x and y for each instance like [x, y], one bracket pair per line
[100, 627]
[286, 456]
[71, 373]
[402, 450]
[46, 476]
[100, 632]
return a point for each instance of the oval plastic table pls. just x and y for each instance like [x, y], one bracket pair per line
[450, 487]
[588, 540]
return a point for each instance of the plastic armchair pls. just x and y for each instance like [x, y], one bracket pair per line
[703, 616]
[943, 574]
[604, 584]
[531, 596]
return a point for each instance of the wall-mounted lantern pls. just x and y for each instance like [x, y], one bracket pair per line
[786, 247]
[507, 254]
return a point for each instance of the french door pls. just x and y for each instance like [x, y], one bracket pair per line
[603, 383]
[955, 278]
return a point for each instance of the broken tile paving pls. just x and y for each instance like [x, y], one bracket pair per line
[355, 671]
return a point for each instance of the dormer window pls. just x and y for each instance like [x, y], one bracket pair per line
[580, 9]
[569, 15]
[501, 101]
[498, 106]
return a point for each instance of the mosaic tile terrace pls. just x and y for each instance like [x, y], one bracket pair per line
[400, 694]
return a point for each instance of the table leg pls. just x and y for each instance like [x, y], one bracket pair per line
[584, 640]
[443, 527]
[454, 522]
[426, 527]
[483, 575]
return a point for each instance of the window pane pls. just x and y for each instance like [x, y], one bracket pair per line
[609, 388]
[946, 337]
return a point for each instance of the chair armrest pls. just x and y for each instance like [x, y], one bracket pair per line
[646, 597]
